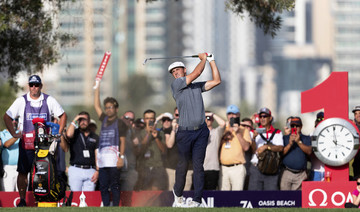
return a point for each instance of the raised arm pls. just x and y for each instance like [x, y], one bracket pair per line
[216, 78]
[97, 104]
[198, 69]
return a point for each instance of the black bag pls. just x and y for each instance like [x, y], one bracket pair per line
[46, 185]
[269, 161]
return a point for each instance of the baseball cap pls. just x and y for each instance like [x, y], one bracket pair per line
[175, 65]
[169, 115]
[232, 109]
[356, 108]
[265, 110]
[296, 121]
[320, 115]
[34, 79]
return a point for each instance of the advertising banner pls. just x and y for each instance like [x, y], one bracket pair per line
[245, 199]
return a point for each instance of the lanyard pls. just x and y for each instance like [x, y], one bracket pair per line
[83, 140]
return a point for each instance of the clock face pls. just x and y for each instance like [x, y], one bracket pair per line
[335, 141]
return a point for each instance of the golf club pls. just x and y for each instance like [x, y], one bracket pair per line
[165, 58]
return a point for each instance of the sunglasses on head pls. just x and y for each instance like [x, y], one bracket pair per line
[34, 84]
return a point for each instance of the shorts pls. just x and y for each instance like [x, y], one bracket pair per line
[26, 159]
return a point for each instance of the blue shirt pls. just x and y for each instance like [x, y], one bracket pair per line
[295, 158]
[9, 155]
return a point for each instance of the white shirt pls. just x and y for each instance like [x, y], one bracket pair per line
[18, 107]
[277, 140]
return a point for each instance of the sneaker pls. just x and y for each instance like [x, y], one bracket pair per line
[179, 202]
[193, 204]
[22, 203]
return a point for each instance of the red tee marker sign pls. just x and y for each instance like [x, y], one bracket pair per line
[102, 68]
[332, 96]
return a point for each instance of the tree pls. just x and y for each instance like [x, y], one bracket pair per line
[29, 36]
[264, 13]
[7, 97]
[138, 89]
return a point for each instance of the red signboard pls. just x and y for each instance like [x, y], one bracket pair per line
[332, 96]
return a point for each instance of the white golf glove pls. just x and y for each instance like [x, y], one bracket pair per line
[210, 57]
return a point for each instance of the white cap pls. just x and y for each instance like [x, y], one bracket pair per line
[175, 65]
[169, 115]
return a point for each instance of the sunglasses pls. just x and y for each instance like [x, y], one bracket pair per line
[34, 84]
[358, 183]
[264, 116]
[165, 119]
[294, 126]
[129, 118]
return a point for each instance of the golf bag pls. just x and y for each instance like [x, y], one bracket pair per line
[46, 185]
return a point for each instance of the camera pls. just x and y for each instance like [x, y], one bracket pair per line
[260, 130]
[234, 121]
[151, 123]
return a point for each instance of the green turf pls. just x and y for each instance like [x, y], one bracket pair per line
[168, 209]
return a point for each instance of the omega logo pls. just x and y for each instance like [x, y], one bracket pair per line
[324, 201]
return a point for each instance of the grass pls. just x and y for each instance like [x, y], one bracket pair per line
[169, 209]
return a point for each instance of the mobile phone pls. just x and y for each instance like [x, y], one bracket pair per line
[288, 125]
[293, 131]
[235, 120]
[260, 130]
[151, 123]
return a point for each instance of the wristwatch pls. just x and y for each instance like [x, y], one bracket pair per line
[122, 156]
[335, 141]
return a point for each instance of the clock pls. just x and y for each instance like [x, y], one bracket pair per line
[335, 141]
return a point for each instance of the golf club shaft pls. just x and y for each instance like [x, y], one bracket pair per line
[164, 58]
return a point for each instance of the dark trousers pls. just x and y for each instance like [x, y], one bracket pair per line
[211, 180]
[191, 145]
[109, 178]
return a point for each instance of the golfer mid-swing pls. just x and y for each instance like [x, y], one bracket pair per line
[192, 135]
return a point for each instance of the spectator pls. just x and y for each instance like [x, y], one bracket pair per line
[355, 196]
[129, 174]
[297, 147]
[83, 144]
[317, 167]
[248, 124]
[211, 161]
[232, 111]
[356, 163]
[234, 144]
[153, 148]
[92, 126]
[111, 151]
[9, 157]
[258, 180]
[60, 156]
[172, 156]
[31, 105]
[287, 127]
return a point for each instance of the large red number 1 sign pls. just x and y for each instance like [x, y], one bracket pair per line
[332, 96]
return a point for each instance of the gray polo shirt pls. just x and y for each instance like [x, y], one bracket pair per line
[189, 102]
